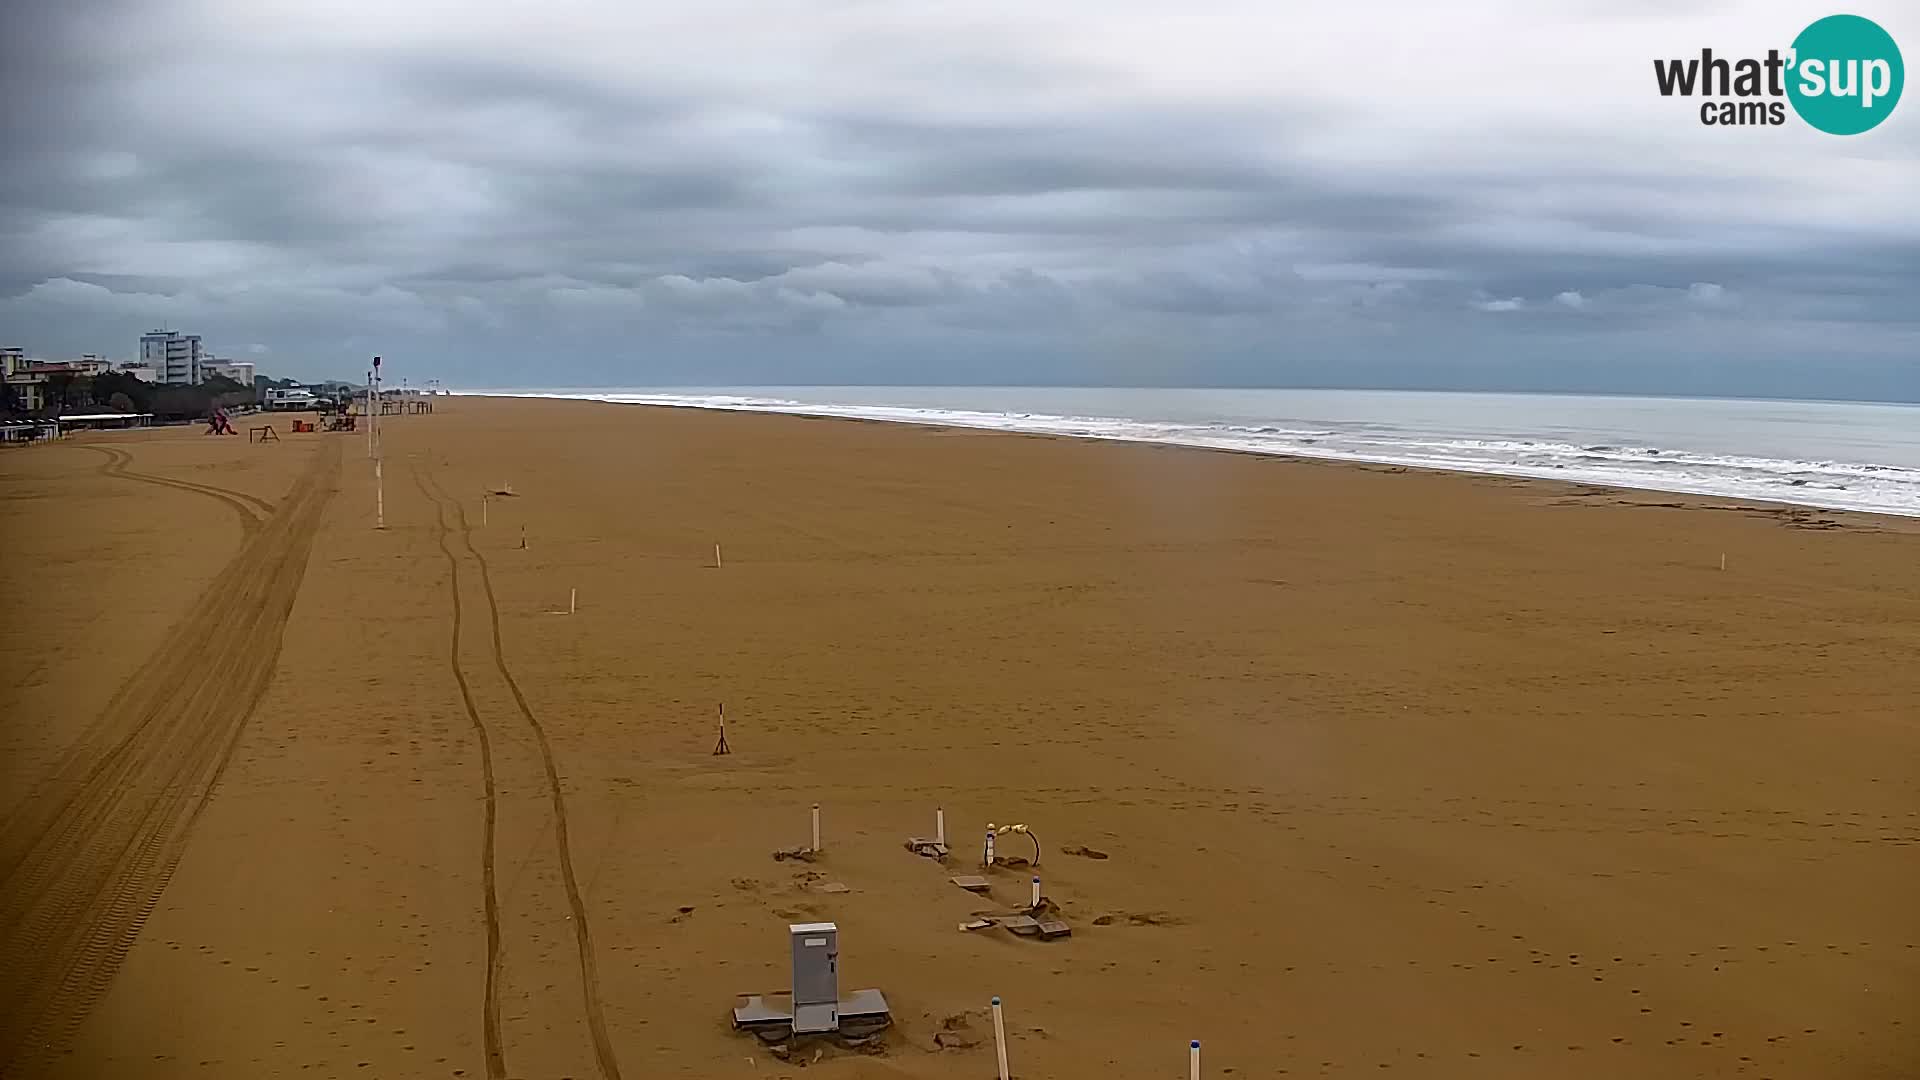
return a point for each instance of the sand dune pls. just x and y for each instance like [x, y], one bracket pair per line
[1393, 772]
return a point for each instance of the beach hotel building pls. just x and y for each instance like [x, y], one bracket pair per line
[28, 379]
[175, 357]
[240, 371]
[24, 386]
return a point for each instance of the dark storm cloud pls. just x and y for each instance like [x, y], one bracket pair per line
[816, 197]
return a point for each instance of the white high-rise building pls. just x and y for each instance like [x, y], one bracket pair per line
[240, 371]
[175, 357]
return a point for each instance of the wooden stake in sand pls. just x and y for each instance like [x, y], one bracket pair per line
[721, 747]
[1000, 1038]
[1193, 1060]
[1723, 560]
[716, 556]
[483, 508]
[940, 826]
[379, 496]
[523, 538]
[816, 827]
[573, 600]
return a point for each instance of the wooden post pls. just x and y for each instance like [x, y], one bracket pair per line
[716, 556]
[816, 826]
[1193, 1060]
[1000, 1039]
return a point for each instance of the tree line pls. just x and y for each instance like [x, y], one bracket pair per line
[119, 392]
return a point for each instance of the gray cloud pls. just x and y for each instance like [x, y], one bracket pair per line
[789, 193]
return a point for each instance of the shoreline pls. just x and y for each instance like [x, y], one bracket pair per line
[1884, 519]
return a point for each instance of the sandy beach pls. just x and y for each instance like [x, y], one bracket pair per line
[1342, 770]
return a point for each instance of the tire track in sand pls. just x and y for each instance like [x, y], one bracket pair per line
[84, 867]
[490, 1008]
[583, 935]
[100, 747]
[252, 509]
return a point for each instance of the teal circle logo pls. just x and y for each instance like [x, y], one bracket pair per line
[1847, 75]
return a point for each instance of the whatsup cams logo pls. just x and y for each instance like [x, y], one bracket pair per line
[1843, 75]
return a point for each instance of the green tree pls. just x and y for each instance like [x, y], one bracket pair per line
[120, 402]
[54, 392]
[113, 384]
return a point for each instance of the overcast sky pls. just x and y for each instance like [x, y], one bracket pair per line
[1475, 194]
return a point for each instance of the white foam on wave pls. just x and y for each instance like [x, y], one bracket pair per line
[1835, 485]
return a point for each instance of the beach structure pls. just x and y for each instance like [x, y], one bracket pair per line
[298, 399]
[26, 431]
[814, 1005]
[405, 400]
[934, 847]
[101, 421]
[1005, 830]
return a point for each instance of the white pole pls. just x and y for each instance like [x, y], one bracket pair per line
[379, 496]
[1193, 1060]
[1000, 1038]
[716, 556]
[816, 826]
[573, 598]
[940, 826]
[1036, 893]
[369, 412]
[483, 509]
[1723, 560]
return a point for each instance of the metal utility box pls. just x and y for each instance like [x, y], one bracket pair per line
[816, 976]
[816, 1005]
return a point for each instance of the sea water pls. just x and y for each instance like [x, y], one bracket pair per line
[1836, 455]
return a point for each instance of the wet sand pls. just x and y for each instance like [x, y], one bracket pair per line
[1395, 772]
